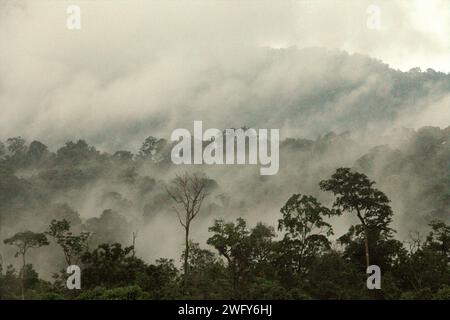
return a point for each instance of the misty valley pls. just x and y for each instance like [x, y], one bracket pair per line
[141, 227]
[224, 150]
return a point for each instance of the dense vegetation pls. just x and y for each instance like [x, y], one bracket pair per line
[299, 257]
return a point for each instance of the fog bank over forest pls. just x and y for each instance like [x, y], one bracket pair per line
[333, 109]
[77, 117]
[148, 76]
[304, 93]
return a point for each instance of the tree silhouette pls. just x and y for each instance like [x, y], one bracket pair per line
[24, 241]
[355, 194]
[188, 192]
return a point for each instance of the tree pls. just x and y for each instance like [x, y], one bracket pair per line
[160, 280]
[72, 245]
[110, 227]
[123, 156]
[36, 152]
[305, 230]
[439, 238]
[355, 194]
[249, 254]
[24, 241]
[16, 145]
[111, 265]
[75, 153]
[428, 267]
[2, 149]
[153, 148]
[335, 278]
[231, 240]
[17, 150]
[425, 268]
[262, 247]
[188, 192]
[207, 274]
[384, 252]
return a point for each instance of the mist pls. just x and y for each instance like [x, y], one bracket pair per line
[337, 91]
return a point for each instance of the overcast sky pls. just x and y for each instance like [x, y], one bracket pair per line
[130, 53]
[413, 32]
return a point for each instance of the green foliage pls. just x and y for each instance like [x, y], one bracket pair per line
[2, 149]
[208, 277]
[427, 268]
[306, 232]
[231, 240]
[26, 240]
[121, 293]
[16, 145]
[439, 238]
[9, 284]
[72, 245]
[249, 254]
[110, 265]
[160, 280]
[355, 194]
[335, 278]
[37, 153]
[109, 227]
[76, 153]
[442, 294]
[154, 149]
[300, 259]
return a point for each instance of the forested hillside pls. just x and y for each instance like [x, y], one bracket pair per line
[286, 236]
[235, 150]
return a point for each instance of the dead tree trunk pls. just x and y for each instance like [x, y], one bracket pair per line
[188, 192]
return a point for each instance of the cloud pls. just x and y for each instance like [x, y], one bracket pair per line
[139, 67]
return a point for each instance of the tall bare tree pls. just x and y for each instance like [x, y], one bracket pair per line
[188, 192]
